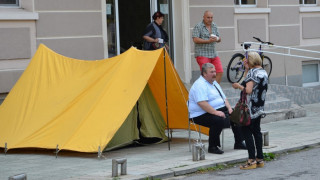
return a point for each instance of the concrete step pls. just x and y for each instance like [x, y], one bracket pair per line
[276, 107]
[295, 111]
[233, 96]
[270, 105]
[299, 95]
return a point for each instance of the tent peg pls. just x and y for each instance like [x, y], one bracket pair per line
[5, 148]
[57, 151]
[99, 152]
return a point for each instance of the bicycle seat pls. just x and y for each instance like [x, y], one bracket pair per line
[246, 46]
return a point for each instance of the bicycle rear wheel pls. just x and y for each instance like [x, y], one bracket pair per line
[267, 65]
[235, 68]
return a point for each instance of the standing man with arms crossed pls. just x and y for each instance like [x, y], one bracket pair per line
[205, 36]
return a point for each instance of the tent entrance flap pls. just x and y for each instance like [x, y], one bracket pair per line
[144, 124]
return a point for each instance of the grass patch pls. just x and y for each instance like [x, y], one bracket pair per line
[269, 156]
[215, 168]
[150, 178]
[181, 166]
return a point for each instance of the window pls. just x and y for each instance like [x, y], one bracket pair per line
[245, 2]
[9, 2]
[111, 28]
[310, 74]
[308, 2]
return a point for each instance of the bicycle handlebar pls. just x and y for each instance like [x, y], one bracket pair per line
[258, 39]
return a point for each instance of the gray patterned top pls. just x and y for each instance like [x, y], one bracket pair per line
[258, 96]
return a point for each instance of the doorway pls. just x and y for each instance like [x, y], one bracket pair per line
[134, 16]
[127, 20]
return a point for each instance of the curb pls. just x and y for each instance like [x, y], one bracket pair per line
[179, 171]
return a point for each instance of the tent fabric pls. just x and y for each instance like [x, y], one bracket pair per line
[150, 117]
[79, 105]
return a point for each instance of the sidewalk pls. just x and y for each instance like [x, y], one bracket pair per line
[156, 160]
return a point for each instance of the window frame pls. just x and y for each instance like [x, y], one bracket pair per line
[245, 5]
[303, 3]
[17, 4]
[310, 84]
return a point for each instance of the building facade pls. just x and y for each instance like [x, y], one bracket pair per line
[98, 29]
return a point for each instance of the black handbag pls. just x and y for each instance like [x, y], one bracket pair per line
[241, 112]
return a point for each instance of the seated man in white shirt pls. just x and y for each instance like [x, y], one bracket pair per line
[208, 106]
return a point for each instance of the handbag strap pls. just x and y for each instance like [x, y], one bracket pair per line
[244, 96]
[219, 93]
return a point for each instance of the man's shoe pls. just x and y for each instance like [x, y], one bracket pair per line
[241, 145]
[215, 150]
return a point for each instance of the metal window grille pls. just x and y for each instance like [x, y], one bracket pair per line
[9, 2]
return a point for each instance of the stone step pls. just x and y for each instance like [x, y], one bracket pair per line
[270, 105]
[279, 103]
[236, 95]
[295, 111]
[299, 95]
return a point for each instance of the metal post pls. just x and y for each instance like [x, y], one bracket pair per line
[194, 152]
[166, 94]
[5, 148]
[99, 152]
[265, 137]
[18, 177]
[57, 150]
[115, 163]
[198, 152]
[202, 152]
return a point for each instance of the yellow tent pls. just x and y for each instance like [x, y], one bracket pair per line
[80, 105]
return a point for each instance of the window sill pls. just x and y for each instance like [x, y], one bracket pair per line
[17, 14]
[309, 9]
[251, 10]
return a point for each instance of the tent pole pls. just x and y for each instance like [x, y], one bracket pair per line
[166, 95]
[5, 148]
[57, 151]
[99, 152]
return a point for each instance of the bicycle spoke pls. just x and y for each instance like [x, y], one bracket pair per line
[267, 65]
[235, 68]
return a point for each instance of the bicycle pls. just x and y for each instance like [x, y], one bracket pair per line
[236, 69]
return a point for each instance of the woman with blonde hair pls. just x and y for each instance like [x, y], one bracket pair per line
[256, 85]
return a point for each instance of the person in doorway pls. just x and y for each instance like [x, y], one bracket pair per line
[255, 84]
[155, 36]
[205, 35]
[209, 107]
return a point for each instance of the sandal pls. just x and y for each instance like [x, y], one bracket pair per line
[249, 165]
[260, 163]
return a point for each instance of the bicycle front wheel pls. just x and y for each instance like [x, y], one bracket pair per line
[235, 68]
[267, 65]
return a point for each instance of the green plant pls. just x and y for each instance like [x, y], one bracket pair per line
[181, 166]
[268, 156]
[150, 178]
[214, 168]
